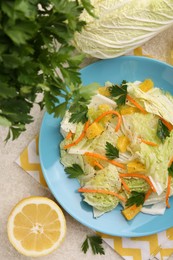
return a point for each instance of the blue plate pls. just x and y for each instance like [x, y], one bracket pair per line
[128, 68]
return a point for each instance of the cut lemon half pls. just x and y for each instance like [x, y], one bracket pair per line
[36, 226]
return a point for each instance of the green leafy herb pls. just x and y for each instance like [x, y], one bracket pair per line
[162, 131]
[111, 151]
[95, 243]
[137, 198]
[170, 170]
[119, 93]
[74, 171]
[79, 112]
[80, 100]
[36, 39]
[87, 5]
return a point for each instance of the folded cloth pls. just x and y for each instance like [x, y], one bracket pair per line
[157, 246]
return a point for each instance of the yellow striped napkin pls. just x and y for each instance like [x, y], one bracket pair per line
[158, 246]
[141, 248]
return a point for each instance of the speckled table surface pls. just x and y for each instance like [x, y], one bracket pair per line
[15, 184]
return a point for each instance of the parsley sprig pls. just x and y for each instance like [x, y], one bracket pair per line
[79, 111]
[170, 170]
[111, 151]
[162, 131]
[137, 198]
[36, 39]
[96, 245]
[74, 171]
[80, 100]
[119, 93]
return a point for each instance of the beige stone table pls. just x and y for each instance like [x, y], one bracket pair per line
[15, 184]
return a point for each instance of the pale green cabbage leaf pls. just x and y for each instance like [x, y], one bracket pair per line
[106, 179]
[155, 101]
[156, 160]
[121, 25]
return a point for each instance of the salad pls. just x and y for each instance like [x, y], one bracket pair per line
[118, 143]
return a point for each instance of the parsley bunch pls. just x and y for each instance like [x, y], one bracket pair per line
[37, 56]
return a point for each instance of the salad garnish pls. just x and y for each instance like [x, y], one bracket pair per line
[136, 198]
[119, 93]
[111, 151]
[96, 244]
[162, 130]
[74, 171]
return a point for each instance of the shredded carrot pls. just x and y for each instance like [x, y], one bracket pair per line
[98, 165]
[148, 142]
[136, 104]
[108, 113]
[126, 187]
[102, 192]
[170, 162]
[69, 135]
[168, 191]
[138, 175]
[167, 124]
[134, 207]
[79, 138]
[102, 157]
[148, 194]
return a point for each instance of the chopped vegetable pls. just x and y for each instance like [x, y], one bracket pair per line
[138, 175]
[131, 100]
[148, 142]
[113, 112]
[122, 143]
[130, 212]
[126, 187]
[69, 135]
[167, 124]
[104, 158]
[94, 130]
[107, 192]
[135, 166]
[125, 110]
[146, 85]
[104, 91]
[79, 138]
[98, 165]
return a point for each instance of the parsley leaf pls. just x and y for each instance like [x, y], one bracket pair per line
[79, 112]
[137, 198]
[162, 131]
[85, 245]
[74, 171]
[119, 93]
[111, 151]
[95, 243]
[170, 170]
[80, 100]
